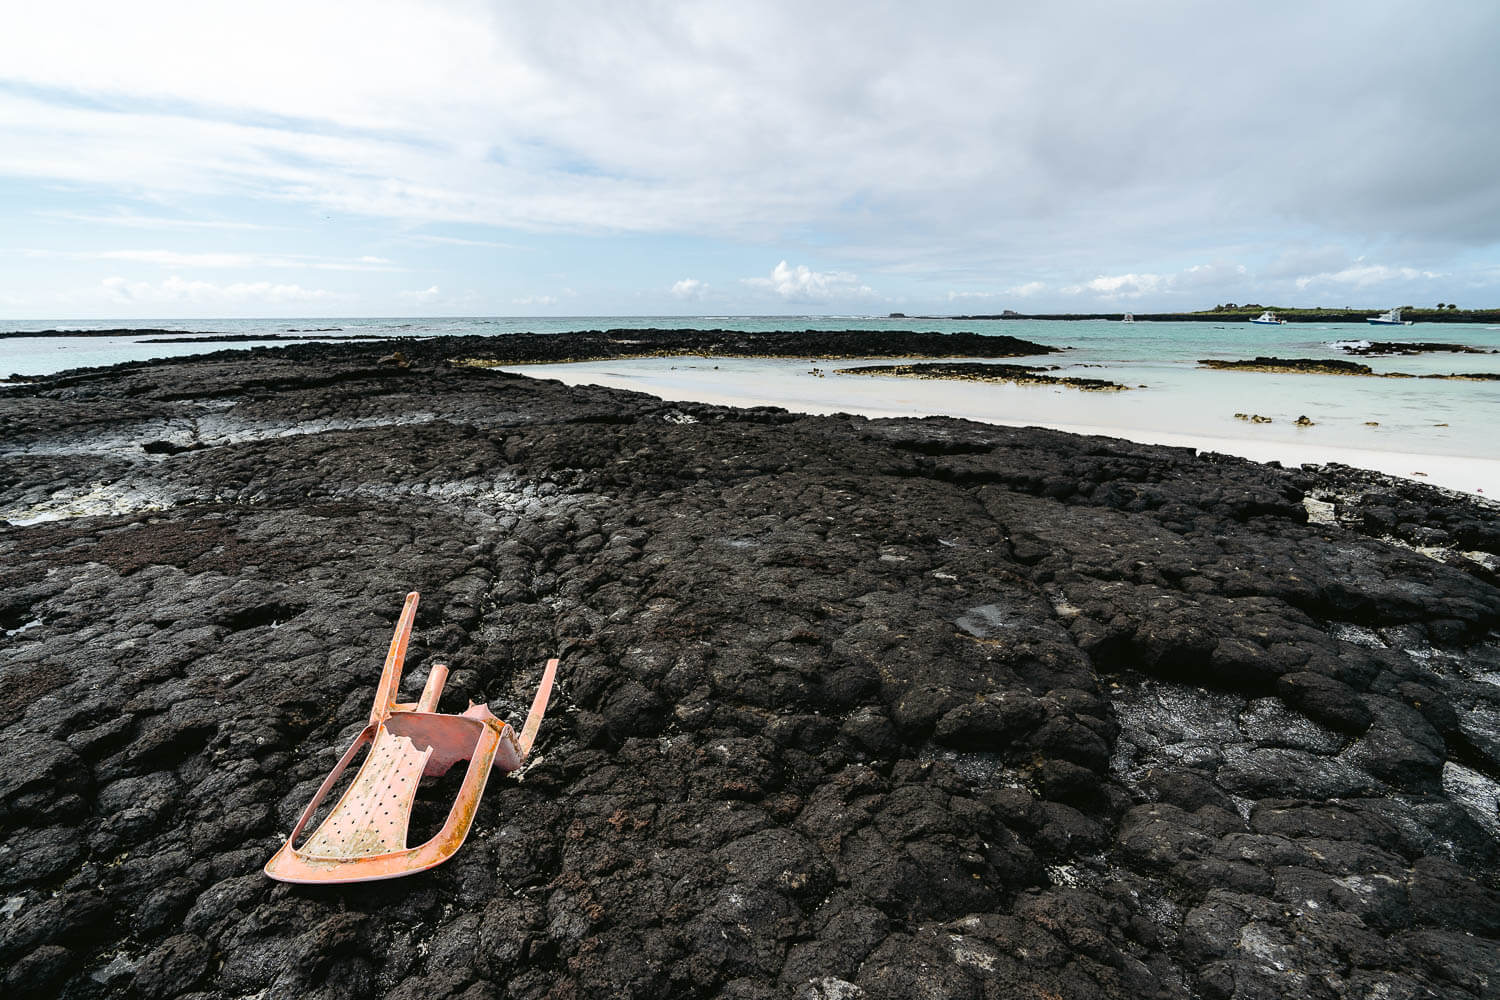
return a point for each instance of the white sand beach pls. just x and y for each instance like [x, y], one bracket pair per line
[792, 385]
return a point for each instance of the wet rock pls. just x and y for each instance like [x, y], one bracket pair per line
[1244, 664]
[1326, 700]
[1444, 895]
[1456, 962]
[1393, 757]
[1186, 789]
[1162, 835]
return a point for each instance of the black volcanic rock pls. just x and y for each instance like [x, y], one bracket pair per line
[1325, 700]
[1333, 366]
[1387, 348]
[1315, 366]
[985, 372]
[846, 708]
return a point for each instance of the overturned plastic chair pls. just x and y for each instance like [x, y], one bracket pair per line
[363, 837]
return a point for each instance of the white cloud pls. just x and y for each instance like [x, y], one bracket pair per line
[175, 289]
[1197, 281]
[430, 294]
[803, 284]
[1298, 261]
[137, 221]
[1015, 291]
[1484, 277]
[170, 258]
[1125, 286]
[909, 132]
[179, 259]
[689, 288]
[1364, 276]
[458, 241]
[671, 119]
[1215, 275]
[535, 300]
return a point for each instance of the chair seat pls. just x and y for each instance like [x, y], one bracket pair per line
[373, 815]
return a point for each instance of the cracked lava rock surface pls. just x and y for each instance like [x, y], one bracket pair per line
[847, 708]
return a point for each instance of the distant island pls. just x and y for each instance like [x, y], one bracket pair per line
[1232, 313]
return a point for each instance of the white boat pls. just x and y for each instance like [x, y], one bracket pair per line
[1392, 318]
[1128, 318]
[1268, 318]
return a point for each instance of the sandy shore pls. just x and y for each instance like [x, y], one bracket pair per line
[703, 383]
[1476, 476]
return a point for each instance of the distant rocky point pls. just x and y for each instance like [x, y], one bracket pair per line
[113, 332]
[978, 372]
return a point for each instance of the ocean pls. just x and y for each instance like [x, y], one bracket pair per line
[1170, 392]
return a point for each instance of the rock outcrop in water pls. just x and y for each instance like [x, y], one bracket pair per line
[1388, 348]
[1334, 366]
[847, 708]
[985, 372]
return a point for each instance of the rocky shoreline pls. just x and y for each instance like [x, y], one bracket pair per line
[1332, 366]
[615, 344]
[979, 372]
[847, 708]
[1243, 314]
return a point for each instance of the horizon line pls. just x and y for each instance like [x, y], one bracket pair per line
[1005, 314]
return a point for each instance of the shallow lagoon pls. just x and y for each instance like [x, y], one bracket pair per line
[1181, 403]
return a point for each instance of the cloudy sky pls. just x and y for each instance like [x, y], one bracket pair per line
[382, 157]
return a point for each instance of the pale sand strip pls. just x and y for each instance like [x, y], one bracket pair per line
[1478, 476]
[1475, 476]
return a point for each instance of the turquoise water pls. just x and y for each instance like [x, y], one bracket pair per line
[1161, 357]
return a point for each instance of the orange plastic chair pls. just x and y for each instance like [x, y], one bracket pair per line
[363, 838]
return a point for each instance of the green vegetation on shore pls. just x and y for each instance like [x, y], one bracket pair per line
[1232, 313]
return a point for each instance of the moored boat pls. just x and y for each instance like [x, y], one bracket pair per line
[1392, 318]
[1268, 318]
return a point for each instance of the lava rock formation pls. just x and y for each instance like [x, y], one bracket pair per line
[847, 707]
